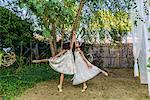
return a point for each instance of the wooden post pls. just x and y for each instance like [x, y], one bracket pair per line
[37, 51]
[21, 51]
[31, 52]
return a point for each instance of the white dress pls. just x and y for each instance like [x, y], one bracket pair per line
[83, 73]
[64, 64]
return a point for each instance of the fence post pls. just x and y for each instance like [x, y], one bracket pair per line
[31, 52]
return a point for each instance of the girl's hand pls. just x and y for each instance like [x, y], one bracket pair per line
[53, 58]
[34, 61]
[73, 36]
[89, 65]
[73, 33]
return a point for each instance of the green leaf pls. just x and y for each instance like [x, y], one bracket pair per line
[46, 33]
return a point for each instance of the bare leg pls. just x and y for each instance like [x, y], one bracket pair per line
[84, 87]
[39, 61]
[61, 82]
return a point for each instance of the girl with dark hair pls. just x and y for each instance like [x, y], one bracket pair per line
[84, 69]
[63, 62]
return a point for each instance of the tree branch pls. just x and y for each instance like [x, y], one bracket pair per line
[77, 18]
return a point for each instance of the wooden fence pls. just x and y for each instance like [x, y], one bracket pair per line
[109, 56]
[103, 55]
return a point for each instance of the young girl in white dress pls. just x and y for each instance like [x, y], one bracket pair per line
[63, 62]
[84, 69]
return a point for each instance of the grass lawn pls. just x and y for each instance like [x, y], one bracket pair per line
[119, 85]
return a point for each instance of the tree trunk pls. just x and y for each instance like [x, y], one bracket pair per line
[46, 22]
[77, 18]
[62, 36]
[54, 37]
[51, 47]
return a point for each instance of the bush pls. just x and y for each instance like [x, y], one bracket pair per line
[15, 81]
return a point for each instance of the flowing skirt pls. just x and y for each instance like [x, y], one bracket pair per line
[64, 64]
[83, 73]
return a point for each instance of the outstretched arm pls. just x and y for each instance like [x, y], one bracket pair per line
[71, 44]
[46, 60]
[84, 58]
[60, 53]
[89, 64]
[73, 39]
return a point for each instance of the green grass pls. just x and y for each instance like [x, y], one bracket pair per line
[14, 81]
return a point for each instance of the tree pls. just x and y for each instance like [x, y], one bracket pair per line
[14, 30]
[117, 25]
[64, 16]
[55, 15]
[100, 16]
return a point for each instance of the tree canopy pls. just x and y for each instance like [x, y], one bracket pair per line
[87, 17]
[14, 30]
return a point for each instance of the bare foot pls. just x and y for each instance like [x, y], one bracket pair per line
[105, 73]
[59, 88]
[84, 88]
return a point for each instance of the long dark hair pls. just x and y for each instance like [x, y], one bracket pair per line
[73, 50]
[66, 45]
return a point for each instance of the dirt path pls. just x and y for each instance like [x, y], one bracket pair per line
[119, 85]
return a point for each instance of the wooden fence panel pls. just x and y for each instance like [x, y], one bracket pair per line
[120, 56]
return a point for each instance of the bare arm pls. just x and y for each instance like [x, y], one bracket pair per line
[46, 60]
[89, 64]
[84, 58]
[71, 44]
[60, 53]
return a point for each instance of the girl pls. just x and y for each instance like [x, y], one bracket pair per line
[84, 69]
[65, 63]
